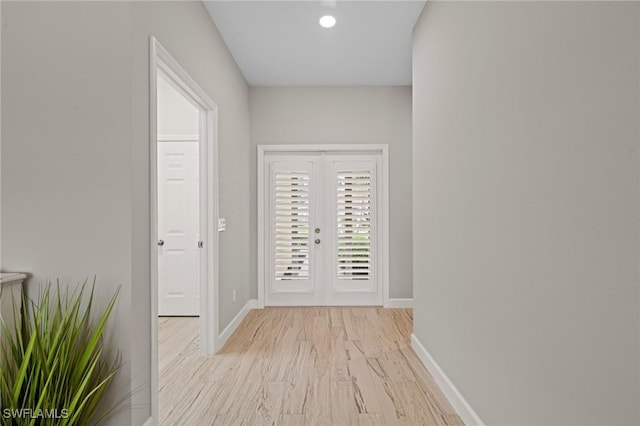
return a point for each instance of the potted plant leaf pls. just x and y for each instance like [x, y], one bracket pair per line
[55, 367]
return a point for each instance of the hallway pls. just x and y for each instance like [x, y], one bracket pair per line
[300, 366]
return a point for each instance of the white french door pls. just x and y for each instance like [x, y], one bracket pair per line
[178, 228]
[322, 234]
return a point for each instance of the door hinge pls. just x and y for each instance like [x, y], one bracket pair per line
[200, 244]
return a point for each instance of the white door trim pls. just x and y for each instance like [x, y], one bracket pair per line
[161, 61]
[382, 149]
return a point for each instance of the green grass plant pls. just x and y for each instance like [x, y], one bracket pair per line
[55, 367]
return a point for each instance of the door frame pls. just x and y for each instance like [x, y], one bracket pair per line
[382, 149]
[161, 61]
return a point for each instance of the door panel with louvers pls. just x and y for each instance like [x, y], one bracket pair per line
[352, 192]
[291, 198]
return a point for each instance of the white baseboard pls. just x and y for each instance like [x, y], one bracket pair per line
[399, 303]
[149, 422]
[235, 322]
[462, 407]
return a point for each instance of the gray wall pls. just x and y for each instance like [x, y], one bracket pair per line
[343, 115]
[66, 152]
[0, 140]
[75, 154]
[526, 130]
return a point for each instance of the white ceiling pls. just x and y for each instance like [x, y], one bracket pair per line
[280, 43]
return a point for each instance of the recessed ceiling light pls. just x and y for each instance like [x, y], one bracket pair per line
[327, 21]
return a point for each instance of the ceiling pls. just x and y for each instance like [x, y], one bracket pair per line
[280, 43]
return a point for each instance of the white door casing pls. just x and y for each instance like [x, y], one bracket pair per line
[178, 226]
[161, 62]
[322, 228]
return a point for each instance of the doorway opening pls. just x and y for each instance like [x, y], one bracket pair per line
[183, 204]
[178, 203]
[323, 225]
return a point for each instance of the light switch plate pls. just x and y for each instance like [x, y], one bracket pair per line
[222, 224]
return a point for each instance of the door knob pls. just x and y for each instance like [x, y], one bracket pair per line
[317, 241]
[160, 243]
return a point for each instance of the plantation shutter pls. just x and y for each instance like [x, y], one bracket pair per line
[354, 224]
[291, 225]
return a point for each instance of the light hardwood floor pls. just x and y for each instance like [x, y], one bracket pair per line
[300, 366]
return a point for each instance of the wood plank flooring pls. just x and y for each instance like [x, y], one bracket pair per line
[303, 367]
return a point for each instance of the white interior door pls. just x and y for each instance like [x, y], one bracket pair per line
[178, 228]
[322, 237]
